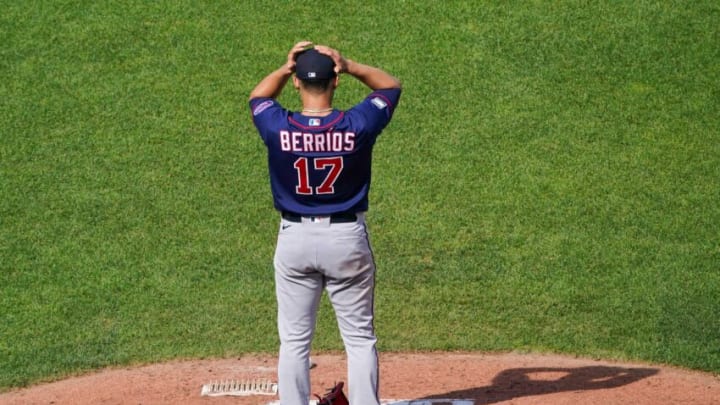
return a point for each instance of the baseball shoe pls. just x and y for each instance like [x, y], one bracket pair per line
[334, 396]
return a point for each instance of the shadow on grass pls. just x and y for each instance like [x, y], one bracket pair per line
[523, 382]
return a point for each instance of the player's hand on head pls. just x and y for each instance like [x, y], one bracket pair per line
[294, 51]
[340, 62]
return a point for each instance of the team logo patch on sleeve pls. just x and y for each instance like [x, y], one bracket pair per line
[262, 107]
[378, 102]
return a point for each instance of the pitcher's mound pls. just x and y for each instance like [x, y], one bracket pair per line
[405, 379]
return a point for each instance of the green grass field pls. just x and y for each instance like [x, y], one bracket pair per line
[550, 182]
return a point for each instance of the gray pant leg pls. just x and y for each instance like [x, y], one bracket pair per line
[298, 288]
[350, 279]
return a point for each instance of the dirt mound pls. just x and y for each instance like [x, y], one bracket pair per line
[438, 378]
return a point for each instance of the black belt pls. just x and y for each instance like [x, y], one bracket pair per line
[340, 217]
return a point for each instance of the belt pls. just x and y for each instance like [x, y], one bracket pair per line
[340, 217]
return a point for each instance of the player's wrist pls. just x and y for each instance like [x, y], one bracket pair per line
[351, 67]
[287, 69]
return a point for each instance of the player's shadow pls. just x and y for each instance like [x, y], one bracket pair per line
[522, 382]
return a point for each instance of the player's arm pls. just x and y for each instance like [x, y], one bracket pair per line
[371, 76]
[271, 86]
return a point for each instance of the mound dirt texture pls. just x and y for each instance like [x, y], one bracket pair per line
[422, 378]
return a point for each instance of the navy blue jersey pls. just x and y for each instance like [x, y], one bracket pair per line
[322, 165]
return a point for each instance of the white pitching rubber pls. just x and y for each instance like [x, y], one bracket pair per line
[238, 388]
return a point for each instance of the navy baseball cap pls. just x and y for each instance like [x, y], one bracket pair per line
[312, 65]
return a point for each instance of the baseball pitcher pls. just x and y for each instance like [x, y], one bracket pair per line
[319, 161]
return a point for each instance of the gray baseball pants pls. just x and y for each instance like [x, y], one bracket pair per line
[312, 256]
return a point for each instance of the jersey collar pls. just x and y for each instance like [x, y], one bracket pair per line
[316, 123]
